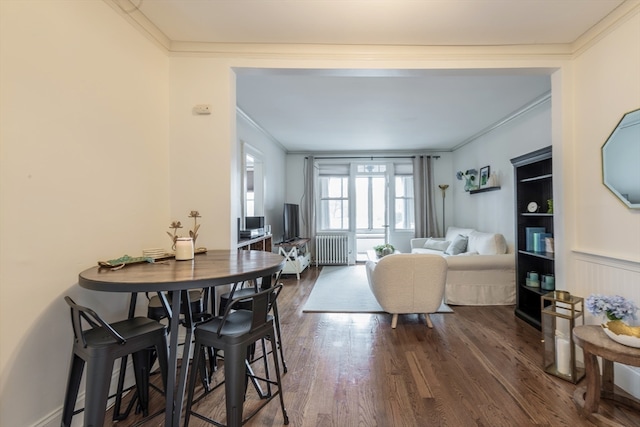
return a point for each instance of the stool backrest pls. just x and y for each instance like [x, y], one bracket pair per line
[80, 313]
[261, 303]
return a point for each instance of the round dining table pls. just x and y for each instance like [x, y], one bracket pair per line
[209, 269]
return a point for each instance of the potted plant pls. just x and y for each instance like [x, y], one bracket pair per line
[385, 249]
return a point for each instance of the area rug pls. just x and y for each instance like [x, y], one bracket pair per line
[345, 289]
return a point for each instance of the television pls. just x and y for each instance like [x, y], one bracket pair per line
[291, 222]
[253, 222]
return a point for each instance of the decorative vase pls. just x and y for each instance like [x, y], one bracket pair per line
[622, 332]
[468, 184]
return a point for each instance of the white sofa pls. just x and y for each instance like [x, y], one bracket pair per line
[408, 283]
[484, 273]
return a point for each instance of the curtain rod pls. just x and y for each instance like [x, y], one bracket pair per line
[372, 157]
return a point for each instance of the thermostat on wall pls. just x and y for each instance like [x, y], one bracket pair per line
[202, 109]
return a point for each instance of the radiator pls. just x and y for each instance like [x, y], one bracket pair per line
[332, 249]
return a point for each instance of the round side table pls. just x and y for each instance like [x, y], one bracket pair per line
[594, 343]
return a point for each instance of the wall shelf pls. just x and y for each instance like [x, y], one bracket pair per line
[484, 190]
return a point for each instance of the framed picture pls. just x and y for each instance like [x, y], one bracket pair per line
[484, 177]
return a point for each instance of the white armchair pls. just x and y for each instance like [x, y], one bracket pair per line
[408, 283]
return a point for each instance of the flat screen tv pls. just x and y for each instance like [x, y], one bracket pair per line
[291, 222]
[253, 222]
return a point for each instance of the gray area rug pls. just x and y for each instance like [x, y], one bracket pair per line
[345, 289]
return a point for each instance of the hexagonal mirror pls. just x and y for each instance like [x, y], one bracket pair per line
[621, 160]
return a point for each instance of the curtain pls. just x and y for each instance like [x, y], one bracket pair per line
[308, 208]
[424, 197]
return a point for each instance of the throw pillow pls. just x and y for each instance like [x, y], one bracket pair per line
[437, 245]
[458, 245]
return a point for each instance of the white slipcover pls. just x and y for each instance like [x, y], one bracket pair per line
[408, 283]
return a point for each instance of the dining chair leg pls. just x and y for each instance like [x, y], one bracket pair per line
[98, 379]
[141, 372]
[197, 354]
[235, 376]
[276, 318]
[73, 386]
[278, 377]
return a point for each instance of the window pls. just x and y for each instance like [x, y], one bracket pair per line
[404, 211]
[369, 198]
[334, 202]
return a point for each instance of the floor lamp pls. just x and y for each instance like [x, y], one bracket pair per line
[443, 187]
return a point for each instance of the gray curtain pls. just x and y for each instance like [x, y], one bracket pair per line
[308, 205]
[424, 197]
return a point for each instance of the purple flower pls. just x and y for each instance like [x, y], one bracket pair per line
[614, 307]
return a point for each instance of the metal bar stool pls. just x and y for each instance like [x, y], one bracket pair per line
[99, 345]
[157, 309]
[234, 333]
[245, 304]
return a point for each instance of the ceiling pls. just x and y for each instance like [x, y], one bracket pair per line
[377, 110]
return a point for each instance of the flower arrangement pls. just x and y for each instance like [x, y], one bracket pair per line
[613, 307]
[175, 225]
[385, 249]
[469, 175]
[194, 233]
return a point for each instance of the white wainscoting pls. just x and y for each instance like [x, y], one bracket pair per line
[600, 274]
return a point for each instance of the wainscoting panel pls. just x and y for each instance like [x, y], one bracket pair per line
[597, 274]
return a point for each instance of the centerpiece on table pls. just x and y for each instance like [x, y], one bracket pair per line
[385, 249]
[619, 318]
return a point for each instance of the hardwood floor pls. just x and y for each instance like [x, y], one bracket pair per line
[478, 366]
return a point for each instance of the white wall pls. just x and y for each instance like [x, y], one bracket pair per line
[493, 211]
[274, 171]
[603, 254]
[203, 154]
[114, 152]
[603, 94]
[84, 154]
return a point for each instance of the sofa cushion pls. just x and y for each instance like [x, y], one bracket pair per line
[487, 243]
[453, 231]
[436, 244]
[458, 245]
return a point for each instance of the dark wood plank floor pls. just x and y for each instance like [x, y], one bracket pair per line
[478, 366]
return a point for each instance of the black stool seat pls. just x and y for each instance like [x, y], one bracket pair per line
[234, 333]
[99, 346]
[197, 298]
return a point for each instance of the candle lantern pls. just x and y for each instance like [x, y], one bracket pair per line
[560, 311]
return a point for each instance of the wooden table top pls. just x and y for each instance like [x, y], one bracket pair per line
[215, 267]
[593, 340]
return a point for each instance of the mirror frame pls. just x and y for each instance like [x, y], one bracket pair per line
[258, 179]
[609, 163]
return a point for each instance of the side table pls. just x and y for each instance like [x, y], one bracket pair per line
[297, 258]
[594, 343]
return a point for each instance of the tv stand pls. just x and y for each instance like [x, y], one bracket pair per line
[297, 258]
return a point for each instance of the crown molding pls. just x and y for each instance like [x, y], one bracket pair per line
[514, 115]
[240, 112]
[627, 10]
[370, 52]
[131, 13]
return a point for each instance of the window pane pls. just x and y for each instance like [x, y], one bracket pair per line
[362, 202]
[404, 213]
[334, 205]
[338, 214]
[378, 216]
